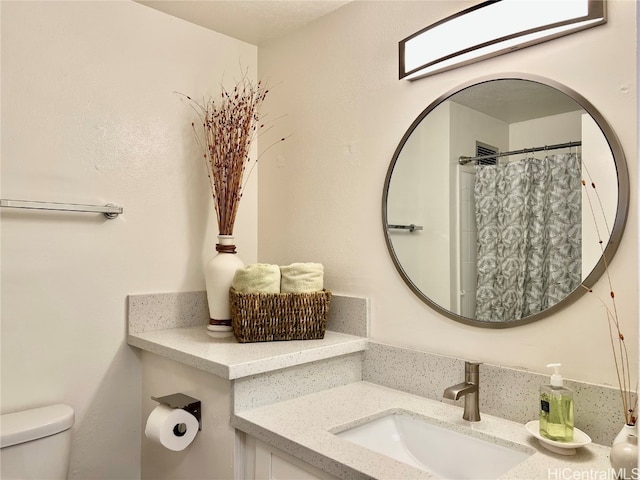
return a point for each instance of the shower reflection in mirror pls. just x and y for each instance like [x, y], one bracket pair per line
[493, 174]
[528, 228]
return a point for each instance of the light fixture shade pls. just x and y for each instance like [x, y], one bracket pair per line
[492, 28]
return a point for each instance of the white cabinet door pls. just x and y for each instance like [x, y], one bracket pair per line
[273, 464]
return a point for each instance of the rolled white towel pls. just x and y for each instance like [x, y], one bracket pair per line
[257, 278]
[302, 278]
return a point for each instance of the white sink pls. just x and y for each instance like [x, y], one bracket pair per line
[445, 453]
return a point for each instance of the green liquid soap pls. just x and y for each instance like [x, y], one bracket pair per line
[556, 415]
[556, 409]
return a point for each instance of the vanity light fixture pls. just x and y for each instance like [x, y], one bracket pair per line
[492, 28]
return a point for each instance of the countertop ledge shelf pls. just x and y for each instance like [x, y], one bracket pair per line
[231, 360]
[303, 428]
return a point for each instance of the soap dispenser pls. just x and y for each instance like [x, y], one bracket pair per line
[556, 408]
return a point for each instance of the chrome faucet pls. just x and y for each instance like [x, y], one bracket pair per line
[469, 389]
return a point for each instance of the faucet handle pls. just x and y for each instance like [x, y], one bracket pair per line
[472, 367]
[472, 372]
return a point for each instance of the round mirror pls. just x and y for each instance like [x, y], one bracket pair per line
[484, 209]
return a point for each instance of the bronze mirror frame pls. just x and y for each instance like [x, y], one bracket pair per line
[617, 229]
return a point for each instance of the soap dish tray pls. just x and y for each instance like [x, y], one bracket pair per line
[580, 439]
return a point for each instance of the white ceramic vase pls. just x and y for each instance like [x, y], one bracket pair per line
[218, 273]
[624, 453]
[622, 435]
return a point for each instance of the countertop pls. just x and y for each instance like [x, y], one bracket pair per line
[304, 426]
[229, 359]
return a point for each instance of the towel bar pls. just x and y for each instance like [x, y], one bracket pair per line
[412, 228]
[109, 210]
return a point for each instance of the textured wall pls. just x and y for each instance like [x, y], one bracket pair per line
[320, 196]
[89, 115]
[211, 454]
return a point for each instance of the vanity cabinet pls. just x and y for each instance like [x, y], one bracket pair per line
[264, 462]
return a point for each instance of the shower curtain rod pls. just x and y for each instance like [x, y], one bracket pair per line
[464, 160]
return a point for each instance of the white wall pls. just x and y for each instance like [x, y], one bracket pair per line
[467, 127]
[89, 115]
[320, 198]
[546, 131]
[414, 198]
[596, 222]
[211, 454]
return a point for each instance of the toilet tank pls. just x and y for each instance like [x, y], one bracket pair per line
[36, 443]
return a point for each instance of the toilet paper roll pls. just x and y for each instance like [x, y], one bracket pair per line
[173, 428]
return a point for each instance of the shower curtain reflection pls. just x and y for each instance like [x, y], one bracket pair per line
[528, 215]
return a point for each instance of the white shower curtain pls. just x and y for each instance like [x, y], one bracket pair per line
[528, 214]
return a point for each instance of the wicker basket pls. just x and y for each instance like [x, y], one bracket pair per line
[268, 317]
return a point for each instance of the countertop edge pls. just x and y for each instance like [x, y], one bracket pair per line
[318, 460]
[296, 358]
[232, 369]
[179, 356]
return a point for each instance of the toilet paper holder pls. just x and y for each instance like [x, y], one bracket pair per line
[185, 402]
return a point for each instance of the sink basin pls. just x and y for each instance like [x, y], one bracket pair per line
[443, 452]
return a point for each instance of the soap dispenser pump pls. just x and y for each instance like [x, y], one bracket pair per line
[556, 408]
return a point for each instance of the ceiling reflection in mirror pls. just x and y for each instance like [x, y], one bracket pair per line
[484, 210]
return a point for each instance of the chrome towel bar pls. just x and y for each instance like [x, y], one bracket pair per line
[109, 210]
[412, 228]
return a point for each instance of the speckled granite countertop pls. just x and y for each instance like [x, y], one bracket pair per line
[229, 359]
[303, 427]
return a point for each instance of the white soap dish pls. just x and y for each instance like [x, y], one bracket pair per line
[580, 439]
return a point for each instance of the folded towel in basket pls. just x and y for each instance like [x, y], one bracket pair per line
[257, 278]
[302, 278]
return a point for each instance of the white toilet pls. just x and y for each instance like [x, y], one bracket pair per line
[36, 443]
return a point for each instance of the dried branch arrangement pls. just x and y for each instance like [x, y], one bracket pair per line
[230, 123]
[628, 394]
